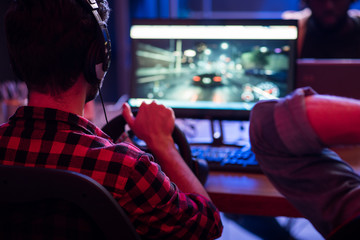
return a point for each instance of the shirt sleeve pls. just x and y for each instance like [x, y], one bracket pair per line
[313, 178]
[159, 210]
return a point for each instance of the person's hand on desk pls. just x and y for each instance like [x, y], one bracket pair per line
[154, 123]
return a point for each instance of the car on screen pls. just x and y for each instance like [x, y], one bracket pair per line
[272, 75]
[279, 76]
[207, 79]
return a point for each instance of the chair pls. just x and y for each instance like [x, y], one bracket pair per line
[35, 203]
[350, 231]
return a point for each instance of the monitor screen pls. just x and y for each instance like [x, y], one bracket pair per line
[216, 69]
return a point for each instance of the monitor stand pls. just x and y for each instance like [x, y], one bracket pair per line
[217, 132]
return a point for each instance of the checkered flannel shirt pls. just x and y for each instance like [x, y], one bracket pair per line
[49, 138]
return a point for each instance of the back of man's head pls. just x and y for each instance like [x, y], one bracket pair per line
[49, 41]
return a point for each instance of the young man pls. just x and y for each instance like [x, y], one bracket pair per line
[327, 29]
[291, 138]
[60, 49]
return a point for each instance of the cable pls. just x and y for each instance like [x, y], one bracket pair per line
[103, 106]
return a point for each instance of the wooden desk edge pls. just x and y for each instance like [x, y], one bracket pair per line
[250, 194]
[253, 205]
[268, 203]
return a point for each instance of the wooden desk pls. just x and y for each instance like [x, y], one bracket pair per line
[253, 194]
[246, 193]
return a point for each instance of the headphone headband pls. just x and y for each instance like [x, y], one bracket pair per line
[96, 70]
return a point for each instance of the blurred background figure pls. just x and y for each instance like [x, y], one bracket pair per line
[328, 29]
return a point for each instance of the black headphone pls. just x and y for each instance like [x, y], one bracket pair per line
[95, 68]
[99, 56]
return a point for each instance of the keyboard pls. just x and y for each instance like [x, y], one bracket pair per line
[227, 158]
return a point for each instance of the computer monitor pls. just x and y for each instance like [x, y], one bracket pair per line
[214, 69]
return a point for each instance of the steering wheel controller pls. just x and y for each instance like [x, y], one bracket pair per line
[199, 166]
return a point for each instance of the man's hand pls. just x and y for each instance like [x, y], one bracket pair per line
[154, 124]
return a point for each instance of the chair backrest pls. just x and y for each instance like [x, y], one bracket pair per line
[76, 196]
[349, 231]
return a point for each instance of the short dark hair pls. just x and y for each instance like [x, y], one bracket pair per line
[49, 40]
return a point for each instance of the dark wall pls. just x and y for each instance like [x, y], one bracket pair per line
[111, 84]
[5, 67]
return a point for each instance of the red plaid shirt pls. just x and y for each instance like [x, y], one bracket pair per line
[41, 137]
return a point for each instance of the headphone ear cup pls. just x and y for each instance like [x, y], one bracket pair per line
[93, 69]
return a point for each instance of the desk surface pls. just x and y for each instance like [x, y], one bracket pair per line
[245, 193]
[253, 194]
